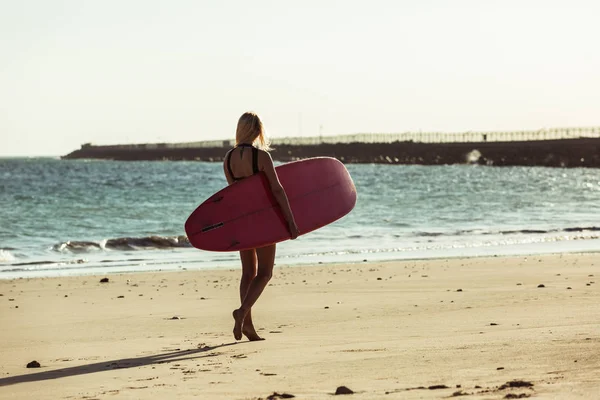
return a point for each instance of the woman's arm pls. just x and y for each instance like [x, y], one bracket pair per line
[265, 164]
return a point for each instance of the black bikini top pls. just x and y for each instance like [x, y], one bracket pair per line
[254, 161]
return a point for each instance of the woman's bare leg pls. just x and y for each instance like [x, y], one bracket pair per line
[266, 260]
[249, 264]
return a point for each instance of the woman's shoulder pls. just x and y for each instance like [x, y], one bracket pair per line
[263, 151]
[263, 154]
[265, 161]
[227, 155]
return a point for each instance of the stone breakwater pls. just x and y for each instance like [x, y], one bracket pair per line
[582, 152]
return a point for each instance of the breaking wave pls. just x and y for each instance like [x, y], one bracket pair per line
[126, 243]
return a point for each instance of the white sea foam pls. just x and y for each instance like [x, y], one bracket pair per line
[6, 256]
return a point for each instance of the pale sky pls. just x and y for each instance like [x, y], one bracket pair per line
[136, 71]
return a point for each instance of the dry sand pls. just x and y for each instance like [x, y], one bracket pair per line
[384, 330]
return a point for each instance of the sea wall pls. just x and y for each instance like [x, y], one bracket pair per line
[581, 152]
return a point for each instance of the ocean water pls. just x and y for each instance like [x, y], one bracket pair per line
[60, 217]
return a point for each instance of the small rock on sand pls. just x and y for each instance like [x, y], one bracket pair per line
[459, 393]
[33, 364]
[435, 387]
[343, 390]
[515, 384]
[276, 396]
[104, 280]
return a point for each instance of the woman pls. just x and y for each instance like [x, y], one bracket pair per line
[248, 157]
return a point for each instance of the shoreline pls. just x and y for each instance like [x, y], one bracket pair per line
[321, 264]
[587, 246]
[398, 329]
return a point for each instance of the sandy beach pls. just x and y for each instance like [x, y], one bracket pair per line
[485, 328]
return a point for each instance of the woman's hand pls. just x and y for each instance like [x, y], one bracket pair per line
[293, 228]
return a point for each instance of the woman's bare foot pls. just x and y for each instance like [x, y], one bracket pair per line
[250, 333]
[237, 328]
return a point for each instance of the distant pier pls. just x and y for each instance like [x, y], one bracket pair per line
[559, 147]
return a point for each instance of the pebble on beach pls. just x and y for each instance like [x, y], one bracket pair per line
[343, 390]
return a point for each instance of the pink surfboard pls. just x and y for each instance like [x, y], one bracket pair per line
[245, 215]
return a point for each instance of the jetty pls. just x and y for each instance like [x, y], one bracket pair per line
[557, 147]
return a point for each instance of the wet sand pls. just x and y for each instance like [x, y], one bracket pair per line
[485, 328]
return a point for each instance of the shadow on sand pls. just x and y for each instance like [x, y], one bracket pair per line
[180, 355]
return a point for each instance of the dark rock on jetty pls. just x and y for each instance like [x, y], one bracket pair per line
[581, 152]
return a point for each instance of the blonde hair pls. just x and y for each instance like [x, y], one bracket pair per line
[251, 130]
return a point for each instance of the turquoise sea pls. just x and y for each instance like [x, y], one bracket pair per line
[60, 217]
